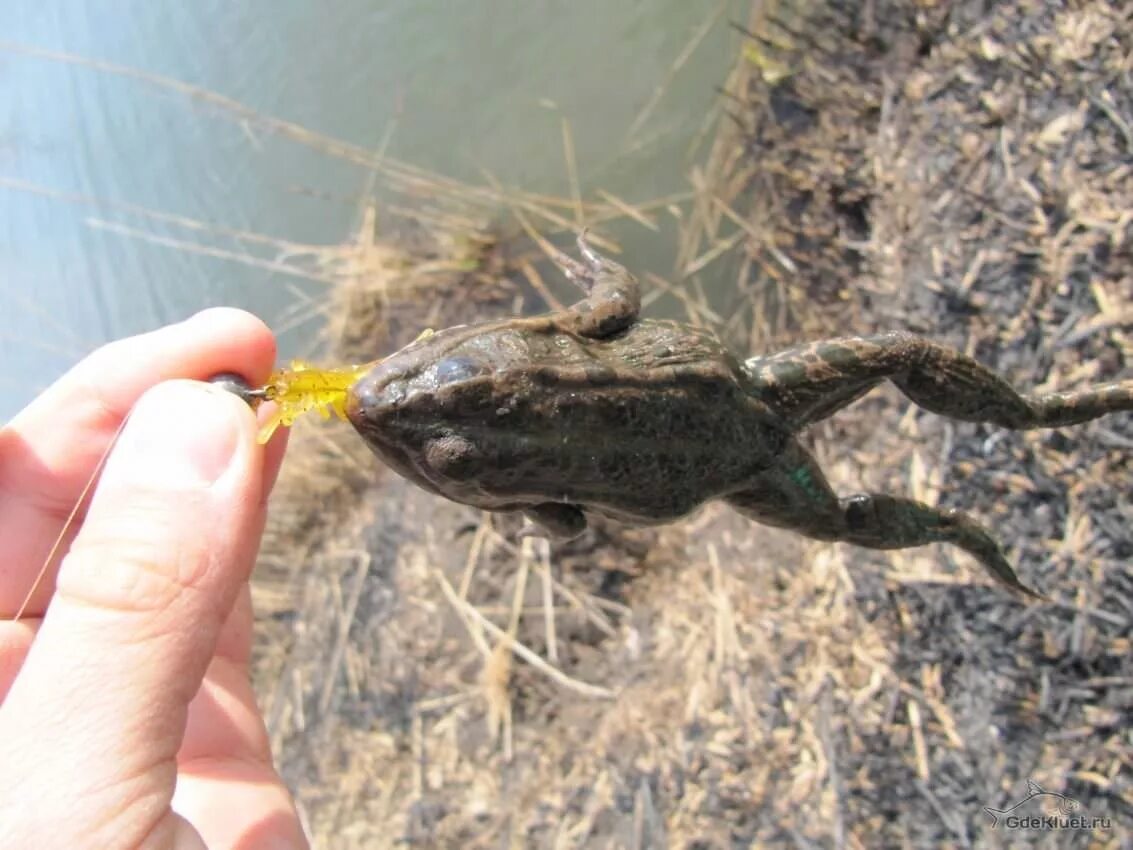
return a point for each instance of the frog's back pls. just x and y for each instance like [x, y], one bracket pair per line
[643, 426]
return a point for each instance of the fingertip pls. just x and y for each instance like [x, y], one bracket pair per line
[222, 315]
[249, 331]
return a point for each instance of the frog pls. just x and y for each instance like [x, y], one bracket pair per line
[593, 410]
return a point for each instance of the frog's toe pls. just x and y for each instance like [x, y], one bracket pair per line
[589, 254]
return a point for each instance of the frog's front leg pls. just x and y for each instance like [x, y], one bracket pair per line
[555, 520]
[613, 295]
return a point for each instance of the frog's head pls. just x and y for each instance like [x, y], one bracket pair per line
[417, 398]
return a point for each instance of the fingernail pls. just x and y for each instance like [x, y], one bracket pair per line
[180, 434]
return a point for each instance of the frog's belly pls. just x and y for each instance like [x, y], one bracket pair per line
[632, 455]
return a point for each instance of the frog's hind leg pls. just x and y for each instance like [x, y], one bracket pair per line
[796, 496]
[810, 382]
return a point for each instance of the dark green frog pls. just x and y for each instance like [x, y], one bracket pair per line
[594, 410]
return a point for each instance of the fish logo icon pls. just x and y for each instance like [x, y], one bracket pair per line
[1053, 803]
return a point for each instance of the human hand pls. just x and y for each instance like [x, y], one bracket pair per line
[127, 715]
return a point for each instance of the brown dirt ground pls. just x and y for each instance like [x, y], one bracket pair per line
[960, 169]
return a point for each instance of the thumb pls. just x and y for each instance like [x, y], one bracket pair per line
[99, 707]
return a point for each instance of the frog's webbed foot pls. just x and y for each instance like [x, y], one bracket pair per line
[613, 295]
[554, 520]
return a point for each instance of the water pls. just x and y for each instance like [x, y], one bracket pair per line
[468, 87]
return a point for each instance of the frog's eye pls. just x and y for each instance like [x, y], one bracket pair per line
[453, 369]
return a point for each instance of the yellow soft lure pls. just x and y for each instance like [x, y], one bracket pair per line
[303, 387]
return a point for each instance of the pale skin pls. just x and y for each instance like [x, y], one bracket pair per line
[127, 716]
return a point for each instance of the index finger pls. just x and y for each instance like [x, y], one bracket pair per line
[49, 451]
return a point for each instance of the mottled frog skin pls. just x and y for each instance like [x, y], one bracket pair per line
[594, 410]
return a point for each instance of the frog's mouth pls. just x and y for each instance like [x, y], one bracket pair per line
[372, 407]
[390, 452]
